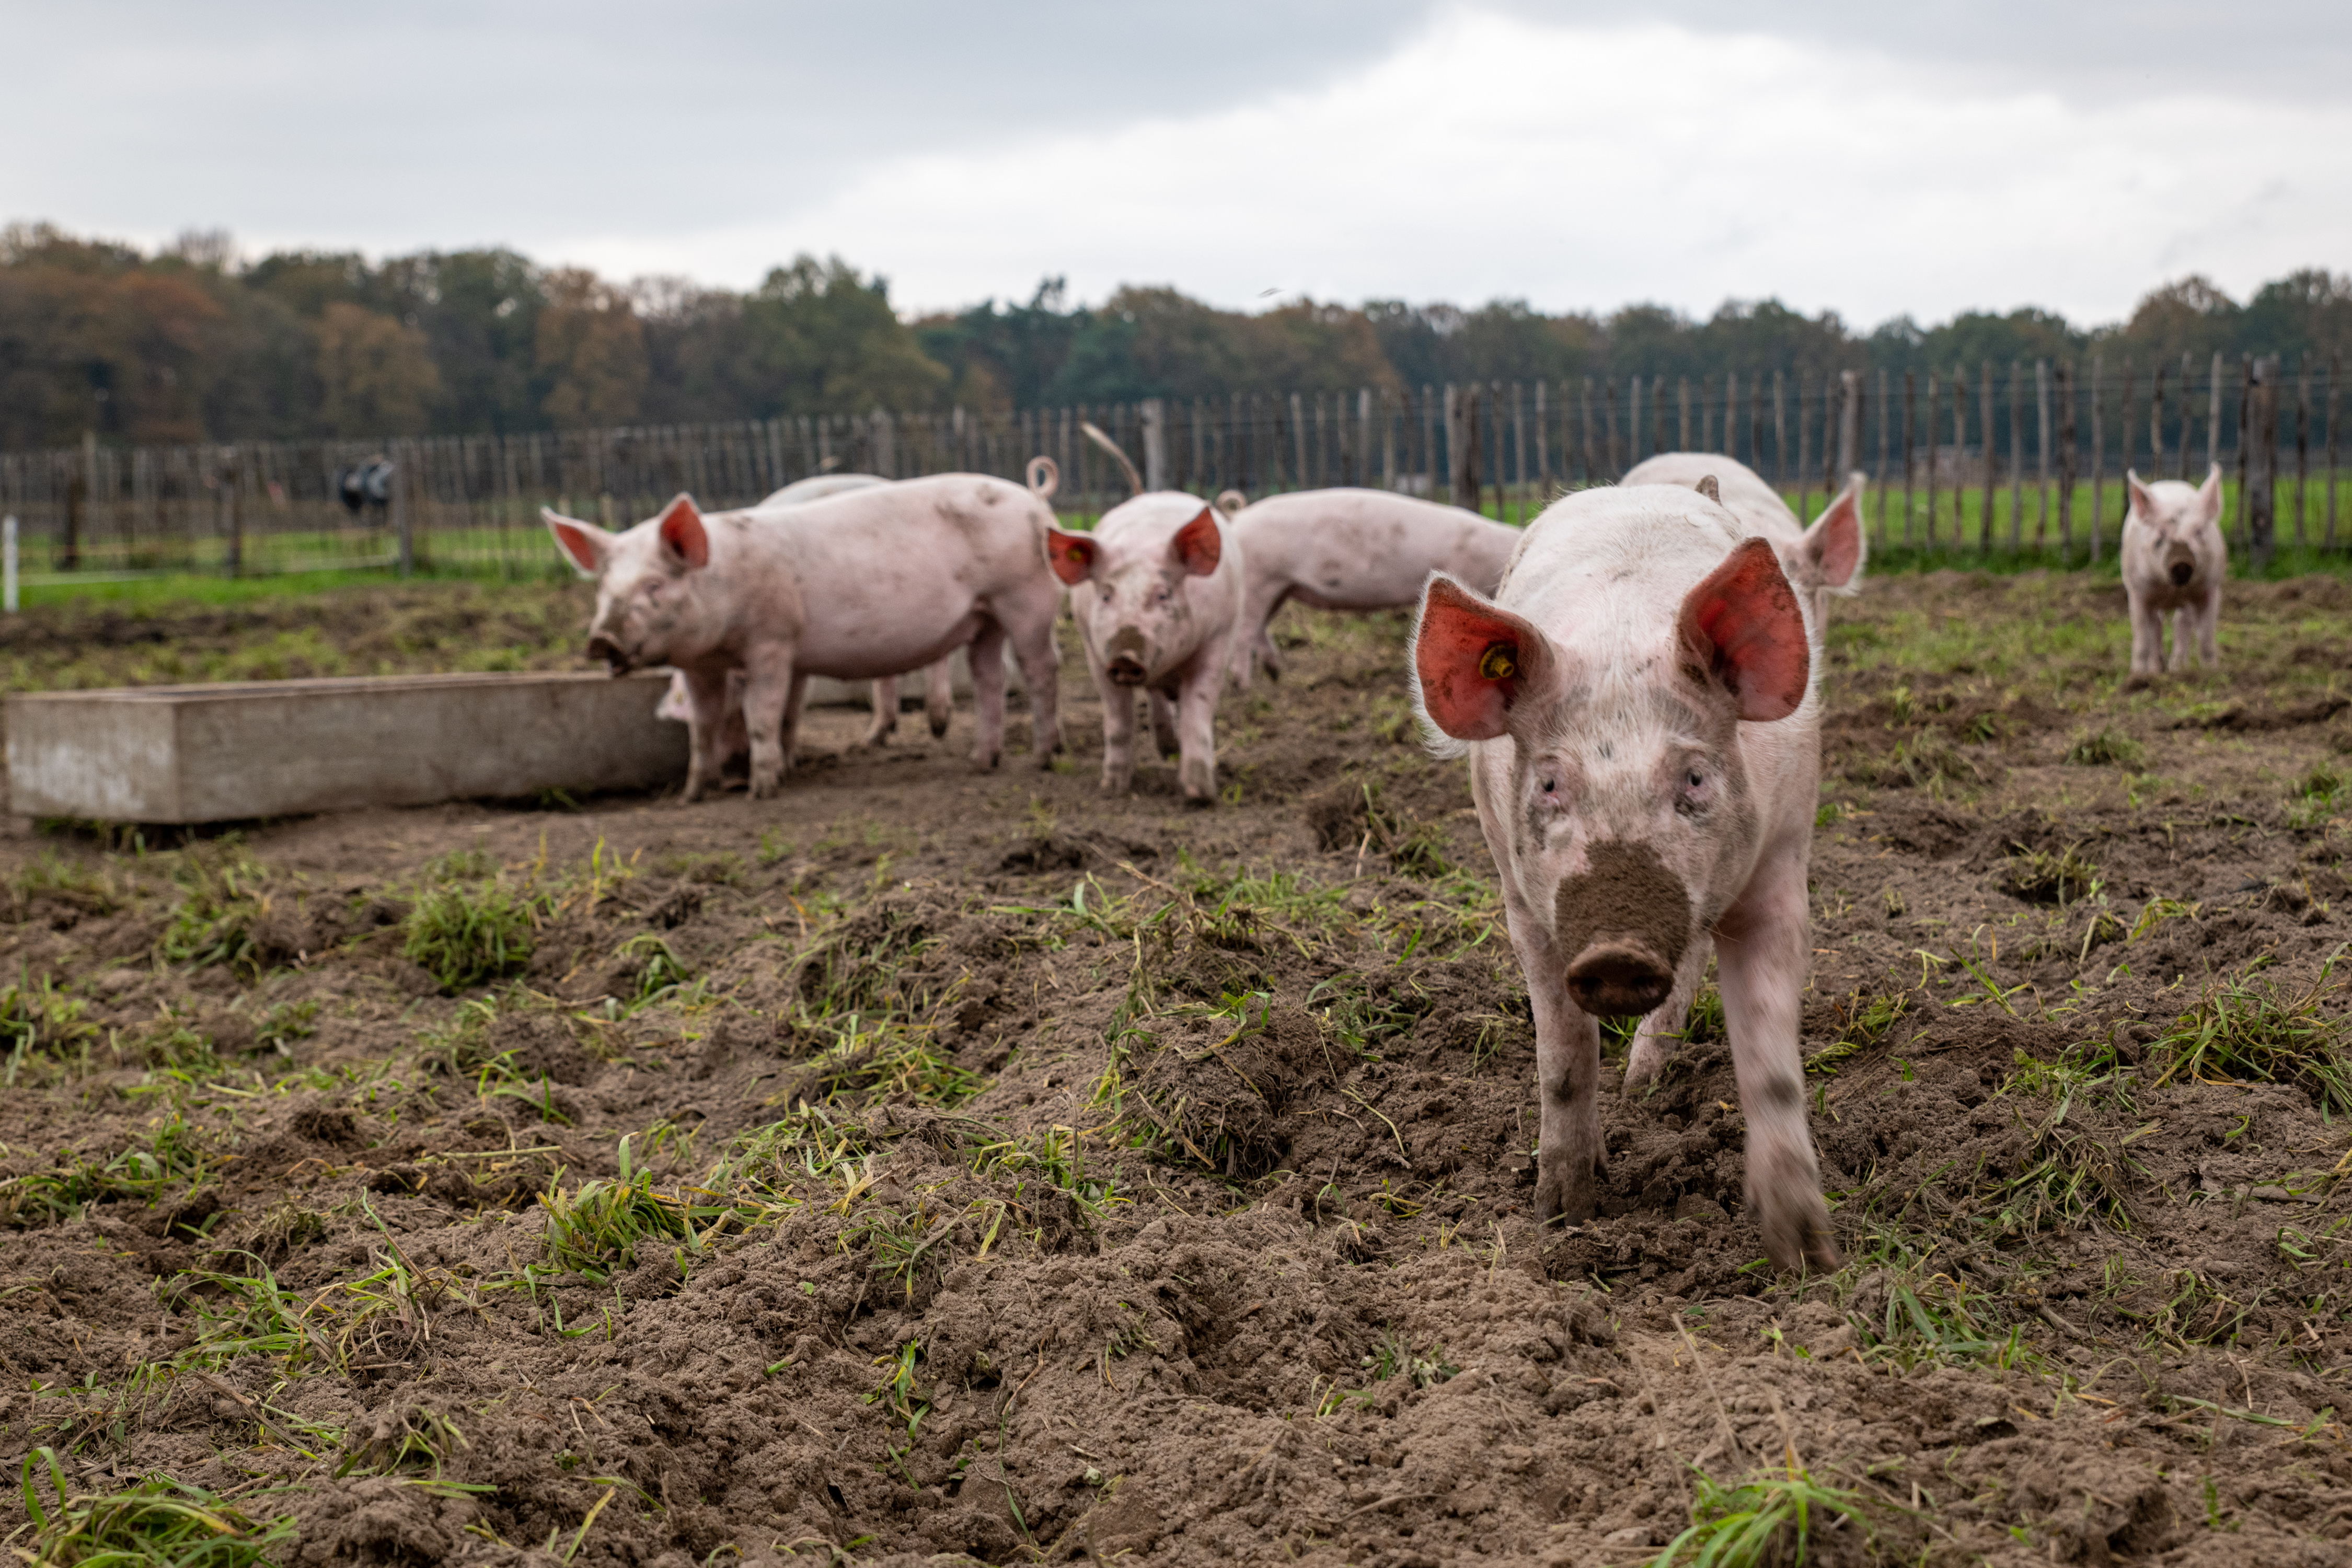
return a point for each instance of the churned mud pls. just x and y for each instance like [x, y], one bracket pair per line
[932, 1166]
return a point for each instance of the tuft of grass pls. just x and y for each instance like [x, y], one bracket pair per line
[1929, 759]
[1769, 1518]
[465, 937]
[2319, 798]
[35, 1016]
[2040, 876]
[2107, 747]
[160, 1523]
[2261, 1031]
[214, 921]
[1863, 1022]
[461, 866]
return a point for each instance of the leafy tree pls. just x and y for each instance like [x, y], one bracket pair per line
[590, 345]
[376, 376]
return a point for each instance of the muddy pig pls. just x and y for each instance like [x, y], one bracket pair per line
[875, 581]
[1826, 558]
[1637, 702]
[1156, 590]
[1353, 550]
[2174, 559]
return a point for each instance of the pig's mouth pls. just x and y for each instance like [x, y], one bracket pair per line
[1624, 922]
[616, 662]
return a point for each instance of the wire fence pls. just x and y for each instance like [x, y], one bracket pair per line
[1977, 459]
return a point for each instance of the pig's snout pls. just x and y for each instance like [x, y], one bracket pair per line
[1626, 921]
[1123, 657]
[1622, 979]
[605, 648]
[2179, 565]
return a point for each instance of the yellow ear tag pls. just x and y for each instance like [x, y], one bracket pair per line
[1497, 662]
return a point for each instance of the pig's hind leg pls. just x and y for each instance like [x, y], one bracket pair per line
[1030, 629]
[1118, 735]
[1663, 1031]
[1163, 725]
[986, 652]
[885, 712]
[939, 694]
[1762, 951]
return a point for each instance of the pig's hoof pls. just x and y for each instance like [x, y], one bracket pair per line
[938, 726]
[1797, 1232]
[985, 762]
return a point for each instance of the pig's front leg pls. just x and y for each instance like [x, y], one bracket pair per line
[1760, 961]
[770, 687]
[986, 652]
[1661, 1032]
[706, 699]
[2147, 636]
[1118, 735]
[1571, 1161]
[2183, 634]
[939, 694]
[2209, 626]
[885, 712]
[1196, 729]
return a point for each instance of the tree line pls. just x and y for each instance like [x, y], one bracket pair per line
[191, 343]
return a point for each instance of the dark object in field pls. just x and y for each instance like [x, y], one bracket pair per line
[365, 486]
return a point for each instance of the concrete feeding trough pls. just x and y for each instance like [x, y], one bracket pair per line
[275, 748]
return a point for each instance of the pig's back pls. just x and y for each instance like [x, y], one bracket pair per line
[980, 531]
[1348, 549]
[1744, 491]
[1637, 549]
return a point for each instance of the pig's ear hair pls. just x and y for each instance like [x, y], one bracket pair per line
[1198, 546]
[681, 529]
[583, 544]
[2140, 501]
[1472, 660]
[1071, 555]
[1834, 545]
[2209, 494]
[1743, 627]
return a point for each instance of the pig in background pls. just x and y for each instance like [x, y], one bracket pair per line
[1353, 550]
[938, 689]
[874, 582]
[1638, 705]
[2174, 559]
[1156, 590]
[1823, 559]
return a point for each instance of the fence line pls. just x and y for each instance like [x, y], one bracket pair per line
[1947, 445]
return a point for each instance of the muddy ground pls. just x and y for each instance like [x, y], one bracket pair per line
[937, 1166]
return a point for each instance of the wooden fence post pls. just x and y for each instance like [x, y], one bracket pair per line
[2334, 407]
[1910, 445]
[1932, 465]
[1779, 428]
[1519, 443]
[1155, 444]
[2041, 453]
[2016, 460]
[1885, 415]
[2066, 460]
[1682, 403]
[1804, 448]
[1848, 441]
[2155, 427]
[2258, 457]
[2245, 412]
[1543, 449]
[2302, 444]
[2099, 447]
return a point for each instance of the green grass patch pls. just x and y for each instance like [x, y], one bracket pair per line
[466, 936]
[160, 1523]
[1771, 1518]
[2046, 876]
[2261, 1031]
[2107, 747]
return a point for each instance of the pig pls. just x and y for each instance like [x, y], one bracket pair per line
[875, 581]
[2174, 559]
[1638, 705]
[939, 695]
[1353, 550]
[1156, 590]
[1824, 558]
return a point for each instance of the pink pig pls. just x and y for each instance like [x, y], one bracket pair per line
[875, 581]
[1354, 549]
[1156, 590]
[1638, 706]
[2174, 559]
[1826, 558]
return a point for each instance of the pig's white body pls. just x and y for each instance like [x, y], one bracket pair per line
[939, 695]
[2174, 559]
[1747, 497]
[1625, 748]
[872, 583]
[1151, 617]
[1354, 549]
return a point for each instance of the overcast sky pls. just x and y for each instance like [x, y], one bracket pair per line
[1870, 159]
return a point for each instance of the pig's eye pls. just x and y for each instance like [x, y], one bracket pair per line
[1550, 785]
[1696, 779]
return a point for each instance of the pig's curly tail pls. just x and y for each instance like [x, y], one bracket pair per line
[1044, 477]
[1126, 466]
[1231, 502]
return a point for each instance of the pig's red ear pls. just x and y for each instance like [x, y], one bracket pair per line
[682, 530]
[1835, 544]
[1072, 555]
[1743, 625]
[583, 543]
[1472, 659]
[1198, 545]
